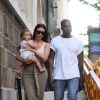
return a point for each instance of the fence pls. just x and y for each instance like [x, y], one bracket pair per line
[92, 79]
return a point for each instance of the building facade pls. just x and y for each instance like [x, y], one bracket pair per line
[60, 12]
[14, 16]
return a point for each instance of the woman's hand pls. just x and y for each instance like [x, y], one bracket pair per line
[19, 58]
[29, 48]
[27, 61]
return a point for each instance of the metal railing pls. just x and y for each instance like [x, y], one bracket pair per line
[92, 80]
[18, 87]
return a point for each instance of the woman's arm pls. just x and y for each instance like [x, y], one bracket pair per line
[44, 56]
[31, 44]
[50, 67]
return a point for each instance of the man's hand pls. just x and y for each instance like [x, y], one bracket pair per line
[51, 82]
[81, 84]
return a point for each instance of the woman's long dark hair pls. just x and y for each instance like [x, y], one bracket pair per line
[45, 37]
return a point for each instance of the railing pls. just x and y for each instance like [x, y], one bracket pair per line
[92, 79]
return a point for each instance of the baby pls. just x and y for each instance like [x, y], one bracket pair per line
[26, 37]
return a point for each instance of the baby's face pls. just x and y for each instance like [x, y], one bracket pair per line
[27, 36]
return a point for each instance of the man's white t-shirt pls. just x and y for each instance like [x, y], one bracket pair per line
[66, 62]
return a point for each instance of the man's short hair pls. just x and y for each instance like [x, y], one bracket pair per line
[64, 20]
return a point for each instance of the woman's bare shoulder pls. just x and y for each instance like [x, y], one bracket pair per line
[47, 44]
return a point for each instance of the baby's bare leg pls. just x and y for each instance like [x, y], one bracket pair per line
[38, 64]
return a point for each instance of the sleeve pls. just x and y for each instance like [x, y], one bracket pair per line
[23, 43]
[52, 45]
[80, 47]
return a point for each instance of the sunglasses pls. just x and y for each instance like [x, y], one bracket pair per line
[38, 32]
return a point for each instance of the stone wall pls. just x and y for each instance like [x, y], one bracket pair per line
[9, 37]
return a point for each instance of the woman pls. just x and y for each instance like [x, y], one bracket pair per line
[34, 82]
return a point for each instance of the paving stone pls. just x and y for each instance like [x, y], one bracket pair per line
[50, 96]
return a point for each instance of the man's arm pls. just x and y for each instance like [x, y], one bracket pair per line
[80, 64]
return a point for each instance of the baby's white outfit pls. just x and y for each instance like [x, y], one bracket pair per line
[23, 52]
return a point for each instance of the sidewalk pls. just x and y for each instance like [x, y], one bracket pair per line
[11, 94]
[50, 96]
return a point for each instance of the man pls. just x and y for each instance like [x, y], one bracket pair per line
[66, 57]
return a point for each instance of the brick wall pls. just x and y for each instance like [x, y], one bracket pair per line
[9, 38]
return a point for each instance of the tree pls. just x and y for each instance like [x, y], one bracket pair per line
[93, 3]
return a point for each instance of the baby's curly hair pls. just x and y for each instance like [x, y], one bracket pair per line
[23, 32]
